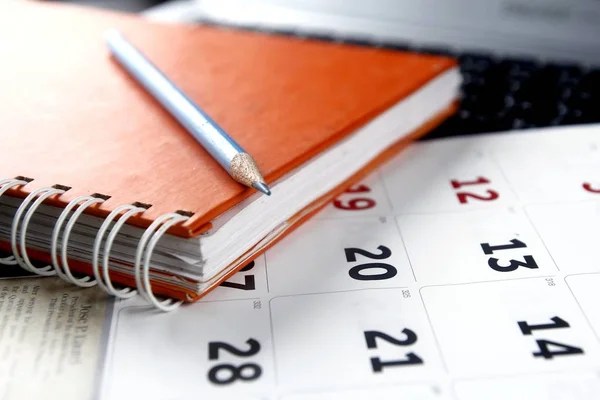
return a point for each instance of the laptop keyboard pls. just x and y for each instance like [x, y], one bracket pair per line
[507, 94]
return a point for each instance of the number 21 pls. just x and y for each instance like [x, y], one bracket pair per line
[411, 358]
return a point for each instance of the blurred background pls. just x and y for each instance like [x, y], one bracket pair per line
[122, 5]
[525, 63]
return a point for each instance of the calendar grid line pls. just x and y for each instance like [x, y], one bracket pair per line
[386, 191]
[396, 224]
[587, 319]
[221, 301]
[559, 202]
[333, 389]
[540, 237]
[273, 352]
[412, 270]
[526, 374]
[351, 217]
[276, 296]
[434, 334]
[475, 210]
[379, 174]
[266, 271]
[446, 212]
[493, 159]
[488, 281]
[567, 275]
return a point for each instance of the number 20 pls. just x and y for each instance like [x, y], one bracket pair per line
[356, 272]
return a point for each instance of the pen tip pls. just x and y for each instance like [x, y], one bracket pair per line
[262, 187]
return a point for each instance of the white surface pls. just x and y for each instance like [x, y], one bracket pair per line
[310, 315]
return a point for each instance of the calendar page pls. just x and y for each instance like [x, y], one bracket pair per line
[466, 268]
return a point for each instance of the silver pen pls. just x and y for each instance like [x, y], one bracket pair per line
[230, 155]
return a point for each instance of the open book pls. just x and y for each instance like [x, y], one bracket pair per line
[102, 187]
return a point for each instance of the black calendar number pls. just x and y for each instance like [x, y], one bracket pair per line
[225, 373]
[557, 322]
[214, 347]
[528, 262]
[378, 271]
[410, 358]
[371, 336]
[249, 282]
[561, 349]
[248, 267]
[548, 349]
[234, 373]
[514, 244]
[495, 263]
[352, 252]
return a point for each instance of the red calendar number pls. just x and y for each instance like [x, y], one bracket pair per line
[588, 187]
[463, 196]
[356, 203]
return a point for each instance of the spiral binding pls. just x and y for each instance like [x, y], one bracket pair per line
[100, 265]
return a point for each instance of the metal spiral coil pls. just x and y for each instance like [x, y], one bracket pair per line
[101, 249]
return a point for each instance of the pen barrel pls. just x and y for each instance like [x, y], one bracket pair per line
[214, 139]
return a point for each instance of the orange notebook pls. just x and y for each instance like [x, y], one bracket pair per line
[92, 166]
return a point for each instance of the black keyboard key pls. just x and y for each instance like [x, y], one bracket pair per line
[568, 73]
[519, 68]
[505, 94]
[475, 62]
[591, 81]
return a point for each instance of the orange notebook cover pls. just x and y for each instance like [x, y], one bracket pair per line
[71, 116]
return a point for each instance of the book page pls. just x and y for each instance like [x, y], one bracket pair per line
[465, 268]
[52, 338]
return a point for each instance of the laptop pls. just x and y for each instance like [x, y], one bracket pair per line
[525, 63]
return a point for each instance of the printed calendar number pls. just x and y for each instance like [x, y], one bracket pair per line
[557, 322]
[370, 271]
[548, 348]
[494, 263]
[225, 373]
[235, 373]
[464, 196]
[410, 338]
[249, 281]
[589, 188]
[458, 184]
[356, 203]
